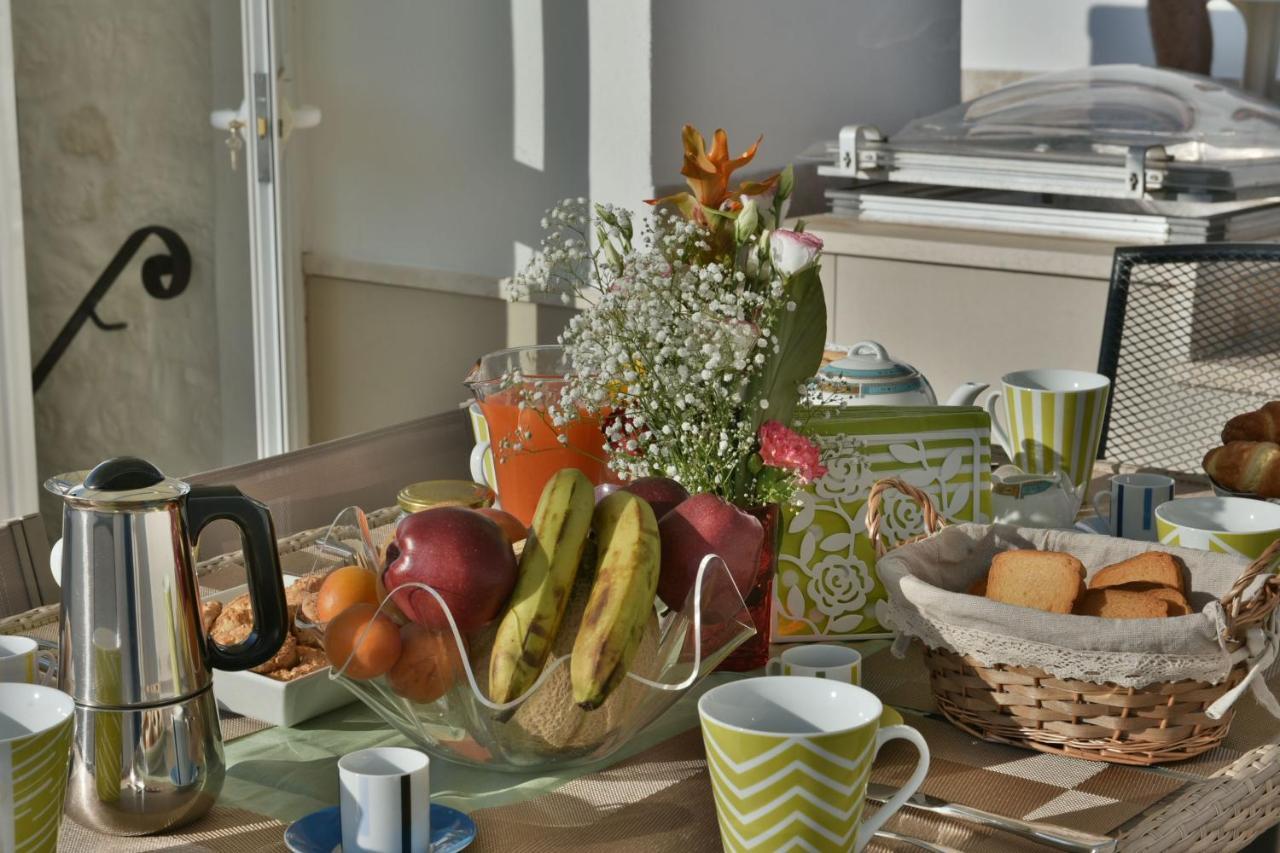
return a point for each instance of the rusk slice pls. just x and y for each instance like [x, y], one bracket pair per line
[1044, 580]
[1178, 603]
[1121, 604]
[1153, 567]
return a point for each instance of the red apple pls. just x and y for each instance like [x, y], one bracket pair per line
[662, 493]
[460, 554]
[706, 524]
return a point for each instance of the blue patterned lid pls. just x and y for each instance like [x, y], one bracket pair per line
[868, 361]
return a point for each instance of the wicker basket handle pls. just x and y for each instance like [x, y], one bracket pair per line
[1246, 613]
[933, 521]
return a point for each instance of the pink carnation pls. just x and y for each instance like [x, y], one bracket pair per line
[784, 448]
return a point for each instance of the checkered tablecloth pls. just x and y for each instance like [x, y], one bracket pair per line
[661, 799]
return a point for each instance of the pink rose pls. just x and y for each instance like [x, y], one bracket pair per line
[784, 448]
[793, 250]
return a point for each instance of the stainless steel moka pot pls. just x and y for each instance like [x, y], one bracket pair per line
[134, 654]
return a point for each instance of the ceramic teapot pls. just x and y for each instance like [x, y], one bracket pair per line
[868, 376]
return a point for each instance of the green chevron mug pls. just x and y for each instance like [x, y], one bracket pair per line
[789, 758]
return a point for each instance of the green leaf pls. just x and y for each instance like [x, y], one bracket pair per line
[786, 182]
[801, 335]
[717, 213]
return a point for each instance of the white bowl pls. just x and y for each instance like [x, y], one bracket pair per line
[281, 703]
[1228, 525]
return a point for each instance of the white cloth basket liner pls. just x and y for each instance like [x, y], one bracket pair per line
[926, 581]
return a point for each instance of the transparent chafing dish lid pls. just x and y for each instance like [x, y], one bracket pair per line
[1123, 131]
[1107, 109]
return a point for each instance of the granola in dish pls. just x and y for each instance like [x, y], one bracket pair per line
[300, 655]
[303, 595]
[286, 658]
[309, 660]
[209, 613]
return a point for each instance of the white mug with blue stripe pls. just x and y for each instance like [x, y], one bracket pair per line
[1130, 505]
[385, 800]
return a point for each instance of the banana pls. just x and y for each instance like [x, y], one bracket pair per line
[548, 567]
[621, 601]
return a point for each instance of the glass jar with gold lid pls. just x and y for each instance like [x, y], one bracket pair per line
[429, 494]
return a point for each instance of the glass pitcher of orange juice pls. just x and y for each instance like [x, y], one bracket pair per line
[526, 449]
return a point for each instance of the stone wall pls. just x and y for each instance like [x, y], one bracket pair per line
[113, 110]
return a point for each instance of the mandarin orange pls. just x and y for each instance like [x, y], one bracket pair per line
[429, 664]
[344, 587]
[366, 642]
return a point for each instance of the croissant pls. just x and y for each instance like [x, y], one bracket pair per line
[1246, 466]
[1260, 425]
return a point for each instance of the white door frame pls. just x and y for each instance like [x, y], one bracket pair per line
[18, 487]
[271, 361]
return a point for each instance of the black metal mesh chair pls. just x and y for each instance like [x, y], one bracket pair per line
[1192, 337]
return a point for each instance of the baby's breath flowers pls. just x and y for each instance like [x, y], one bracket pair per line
[694, 336]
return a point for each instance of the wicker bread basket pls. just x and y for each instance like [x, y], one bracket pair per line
[1028, 707]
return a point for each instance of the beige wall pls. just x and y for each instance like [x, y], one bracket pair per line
[958, 324]
[964, 305]
[381, 352]
[421, 158]
[113, 104]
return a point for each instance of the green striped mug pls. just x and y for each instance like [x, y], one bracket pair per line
[789, 758]
[1052, 421]
[35, 756]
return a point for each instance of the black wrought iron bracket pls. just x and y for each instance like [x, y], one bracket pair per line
[175, 265]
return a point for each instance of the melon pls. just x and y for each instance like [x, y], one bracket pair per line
[549, 722]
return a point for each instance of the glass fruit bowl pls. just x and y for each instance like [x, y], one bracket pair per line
[436, 692]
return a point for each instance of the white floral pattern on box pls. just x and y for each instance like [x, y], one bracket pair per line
[826, 586]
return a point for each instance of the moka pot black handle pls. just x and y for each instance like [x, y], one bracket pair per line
[206, 504]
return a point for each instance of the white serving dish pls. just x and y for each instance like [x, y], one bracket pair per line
[281, 703]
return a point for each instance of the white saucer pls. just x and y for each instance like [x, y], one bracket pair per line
[1093, 524]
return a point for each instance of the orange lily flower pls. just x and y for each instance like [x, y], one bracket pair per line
[708, 173]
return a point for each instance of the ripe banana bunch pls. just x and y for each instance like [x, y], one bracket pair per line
[548, 567]
[621, 600]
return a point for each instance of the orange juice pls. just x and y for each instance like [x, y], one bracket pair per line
[523, 473]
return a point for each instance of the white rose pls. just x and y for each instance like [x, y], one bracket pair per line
[793, 250]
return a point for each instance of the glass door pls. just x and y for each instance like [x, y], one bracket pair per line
[156, 307]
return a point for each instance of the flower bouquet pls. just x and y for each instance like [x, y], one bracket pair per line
[702, 330]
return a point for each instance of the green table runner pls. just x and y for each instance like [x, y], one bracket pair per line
[286, 773]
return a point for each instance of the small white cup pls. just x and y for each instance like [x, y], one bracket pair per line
[20, 659]
[1130, 505]
[819, 660]
[385, 800]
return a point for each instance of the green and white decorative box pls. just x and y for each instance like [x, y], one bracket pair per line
[827, 587]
